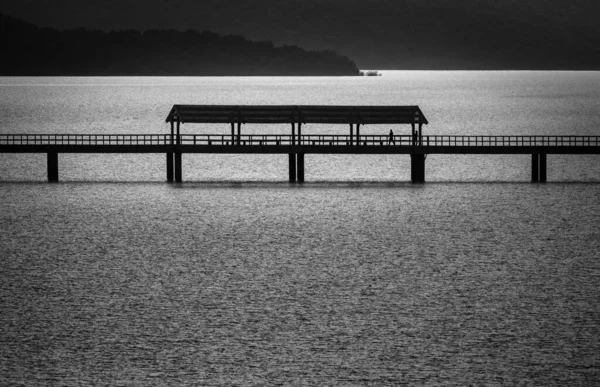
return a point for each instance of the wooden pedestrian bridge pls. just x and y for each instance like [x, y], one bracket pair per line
[297, 144]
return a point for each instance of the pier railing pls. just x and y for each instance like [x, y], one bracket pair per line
[511, 141]
[84, 139]
[304, 140]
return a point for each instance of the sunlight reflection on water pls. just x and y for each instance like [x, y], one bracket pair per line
[356, 277]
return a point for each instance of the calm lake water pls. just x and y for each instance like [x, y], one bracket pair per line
[356, 277]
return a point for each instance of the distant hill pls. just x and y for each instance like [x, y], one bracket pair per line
[29, 50]
[376, 34]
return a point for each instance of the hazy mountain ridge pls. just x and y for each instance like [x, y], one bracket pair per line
[47, 51]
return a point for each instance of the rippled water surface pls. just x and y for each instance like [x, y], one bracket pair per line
[357, 277]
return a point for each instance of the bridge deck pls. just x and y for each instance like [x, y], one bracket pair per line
[308, 143]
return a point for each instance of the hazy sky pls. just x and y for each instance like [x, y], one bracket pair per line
[375, 33]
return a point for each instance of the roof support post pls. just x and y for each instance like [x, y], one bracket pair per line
[239, 134]
[414, 135]
[351, 134]
[232, 133]
[294, 140]
[299, 133]
[420, 133]
[357, 134]
[172, 132]
[178, 133]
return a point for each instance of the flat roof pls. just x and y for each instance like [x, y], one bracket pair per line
[318, 114]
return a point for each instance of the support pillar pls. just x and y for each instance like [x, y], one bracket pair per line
[543, 167]
[170, 167]
[299, 133]
[239, 134]
[535, 168]
[178, 167]
[292, 158]
[178, 132]
[351, 134]
[417, 168]
[300, 167]
[232, 133]
[357, 134]
[53, 167]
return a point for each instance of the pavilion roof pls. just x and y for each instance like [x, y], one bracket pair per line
[318, 114]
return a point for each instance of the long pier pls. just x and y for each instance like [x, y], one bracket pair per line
[537, 146]
[296, 145]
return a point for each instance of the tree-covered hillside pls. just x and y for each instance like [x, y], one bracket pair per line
[29, 50]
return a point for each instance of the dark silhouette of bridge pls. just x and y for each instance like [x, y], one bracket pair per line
[296, 144]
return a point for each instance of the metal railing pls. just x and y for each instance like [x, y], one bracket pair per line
[85, 139]
[304, 140]
[512, 141]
